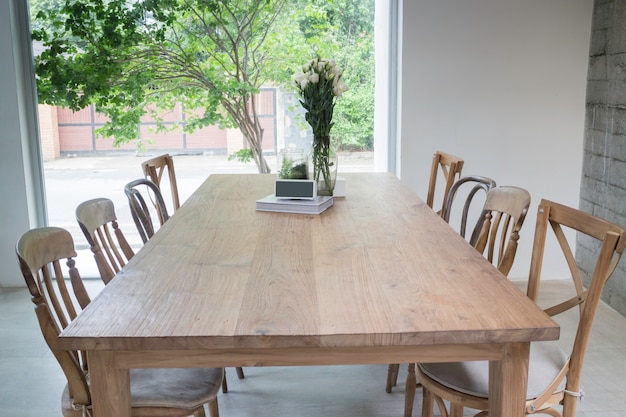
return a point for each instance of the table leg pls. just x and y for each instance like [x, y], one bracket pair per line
[110, 386]
[508, 381]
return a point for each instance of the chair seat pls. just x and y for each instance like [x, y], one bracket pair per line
[472, 378]
[174, 387]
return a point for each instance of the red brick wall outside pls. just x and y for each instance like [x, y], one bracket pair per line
[49, 132]
[76, 132]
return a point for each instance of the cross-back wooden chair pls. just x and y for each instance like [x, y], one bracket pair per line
[155, 168]
[141, 210]
[98, 221]
[554, 376]
[154, 392]
[450, 167]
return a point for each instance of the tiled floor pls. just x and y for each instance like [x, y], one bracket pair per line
[31, 381]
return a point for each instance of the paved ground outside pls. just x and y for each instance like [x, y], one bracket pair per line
[71, 180]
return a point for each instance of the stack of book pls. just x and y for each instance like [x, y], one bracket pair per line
[315, 206]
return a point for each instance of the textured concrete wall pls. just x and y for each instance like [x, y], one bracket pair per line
[603, 185]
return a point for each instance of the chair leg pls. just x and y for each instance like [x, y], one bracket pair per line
[213, 409]
[411, 387]
[569, 406]
[199, 412]
[456, 410]
[442, 406]
[428, 403]
[224, 383]
[392, 376]
[240, 374]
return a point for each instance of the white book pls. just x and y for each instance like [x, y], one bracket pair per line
[315, 206]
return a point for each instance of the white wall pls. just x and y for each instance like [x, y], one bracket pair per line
[502, 85]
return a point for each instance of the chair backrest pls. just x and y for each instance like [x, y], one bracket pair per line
[472, 186]
[40, 253]
[98, 221]
[610, 241]
[502, 218]
[140, 210]
[154, 169]
[451, 167]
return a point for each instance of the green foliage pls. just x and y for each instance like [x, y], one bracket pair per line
[126, 57]
[242, 155]
[293, 170]
[210, 56]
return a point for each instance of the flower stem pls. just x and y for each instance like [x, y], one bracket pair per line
[321, 161]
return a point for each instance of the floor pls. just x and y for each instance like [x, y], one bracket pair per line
[31, 381]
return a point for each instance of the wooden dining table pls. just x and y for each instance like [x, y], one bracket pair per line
[377, 278]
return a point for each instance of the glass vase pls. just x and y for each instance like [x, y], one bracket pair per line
[292, 164]
[323, 165]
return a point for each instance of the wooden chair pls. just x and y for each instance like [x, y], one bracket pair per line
[500, 223]
[141, 211]
[98, 221]
[154, 392]
[451, 167]
[553, 375]
[154, 170]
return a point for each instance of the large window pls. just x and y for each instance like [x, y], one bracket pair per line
[79, 165]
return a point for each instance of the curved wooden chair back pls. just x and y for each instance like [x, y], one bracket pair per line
[155, 168]
[141, 210]
[40, 253]
[502, 218]
[98, 221]
[450, 167]
[476, 185]
[563, 387]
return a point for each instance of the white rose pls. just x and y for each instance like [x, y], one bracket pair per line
[303, 83]
[300, 76]
[314, 78]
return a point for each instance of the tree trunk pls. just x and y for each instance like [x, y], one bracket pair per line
[256, 147]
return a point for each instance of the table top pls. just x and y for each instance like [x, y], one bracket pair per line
[377, 269]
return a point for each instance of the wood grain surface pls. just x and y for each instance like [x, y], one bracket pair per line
[379, 268]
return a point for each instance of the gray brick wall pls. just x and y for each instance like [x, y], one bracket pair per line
[603, 185]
